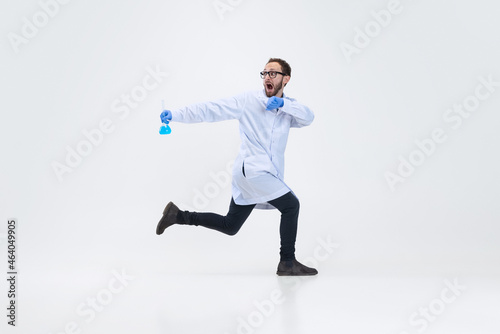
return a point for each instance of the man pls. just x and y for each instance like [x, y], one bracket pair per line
[265, 118]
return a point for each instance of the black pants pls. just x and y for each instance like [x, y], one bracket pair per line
[230, 224]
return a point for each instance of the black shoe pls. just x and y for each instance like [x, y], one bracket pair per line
[169, 218]
[294, 268]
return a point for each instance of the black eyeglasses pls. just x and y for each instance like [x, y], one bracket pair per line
[272, 74]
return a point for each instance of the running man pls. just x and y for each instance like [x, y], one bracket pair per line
[265, 118]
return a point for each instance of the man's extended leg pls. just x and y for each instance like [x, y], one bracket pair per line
[228, 224]
[289, 207]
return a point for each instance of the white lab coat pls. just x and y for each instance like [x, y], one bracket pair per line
[264, 135]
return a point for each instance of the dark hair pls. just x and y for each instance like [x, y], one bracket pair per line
[285, 67]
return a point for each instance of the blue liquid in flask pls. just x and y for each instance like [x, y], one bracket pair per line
[165, 129]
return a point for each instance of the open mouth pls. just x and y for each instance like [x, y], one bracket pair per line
[269, 86]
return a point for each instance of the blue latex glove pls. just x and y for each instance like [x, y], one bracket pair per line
[274, 102]
[166, 116]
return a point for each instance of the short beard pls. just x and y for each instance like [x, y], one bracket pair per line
[276, 89]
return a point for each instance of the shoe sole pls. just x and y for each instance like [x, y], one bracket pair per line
[281, 273]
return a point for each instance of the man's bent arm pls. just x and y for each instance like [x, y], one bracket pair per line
[302, 115]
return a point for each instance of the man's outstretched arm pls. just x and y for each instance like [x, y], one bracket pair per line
[220, 110]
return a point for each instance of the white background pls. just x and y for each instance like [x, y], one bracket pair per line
[442, 222]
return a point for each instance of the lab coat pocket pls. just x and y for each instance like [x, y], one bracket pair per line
[257, 165]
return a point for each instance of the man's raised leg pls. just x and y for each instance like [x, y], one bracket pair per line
[229, 224]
